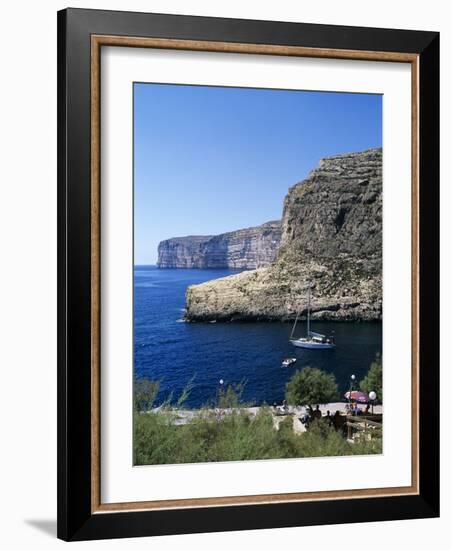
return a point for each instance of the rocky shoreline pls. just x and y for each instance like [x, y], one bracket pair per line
[331, 239]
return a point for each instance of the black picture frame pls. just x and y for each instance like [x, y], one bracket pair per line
[75, 518]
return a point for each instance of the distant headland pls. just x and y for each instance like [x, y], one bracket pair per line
[248, 248]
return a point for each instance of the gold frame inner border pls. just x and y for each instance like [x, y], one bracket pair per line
[97, 41]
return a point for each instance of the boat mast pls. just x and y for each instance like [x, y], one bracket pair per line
[308, 312]
[294, 326]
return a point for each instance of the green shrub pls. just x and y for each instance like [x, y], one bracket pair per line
[144, 394]
[310, 386]
[373, 379]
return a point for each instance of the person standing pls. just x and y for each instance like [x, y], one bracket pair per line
[317, 413]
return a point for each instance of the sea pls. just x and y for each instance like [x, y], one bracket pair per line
[176, 353]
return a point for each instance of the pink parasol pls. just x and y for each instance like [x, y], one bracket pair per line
[359, 396]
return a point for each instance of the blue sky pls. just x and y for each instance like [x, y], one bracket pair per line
[211, 159]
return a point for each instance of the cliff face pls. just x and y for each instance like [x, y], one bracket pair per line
[181, 252]
[244, 249]
[331, 237]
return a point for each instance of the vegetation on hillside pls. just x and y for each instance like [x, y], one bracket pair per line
[229, 432]
[235, 437]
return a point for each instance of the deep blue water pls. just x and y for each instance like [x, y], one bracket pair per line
[172, 351]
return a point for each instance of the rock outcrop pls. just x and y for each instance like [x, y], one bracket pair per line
[243, 249]
[331, 239]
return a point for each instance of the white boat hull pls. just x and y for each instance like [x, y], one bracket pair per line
[288, 362]
[312, 340]
[308, 344]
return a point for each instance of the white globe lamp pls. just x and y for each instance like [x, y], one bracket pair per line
[372, 395]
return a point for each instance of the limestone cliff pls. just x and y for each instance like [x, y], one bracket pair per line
[183, 252]
[331, 237]
[243, 249]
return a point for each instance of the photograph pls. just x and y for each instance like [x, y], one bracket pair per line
[257, 268]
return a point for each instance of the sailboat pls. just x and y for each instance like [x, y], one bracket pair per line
[313, 340]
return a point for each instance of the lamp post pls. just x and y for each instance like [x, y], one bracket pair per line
[219, 391]
[372, 395]
[351, 383]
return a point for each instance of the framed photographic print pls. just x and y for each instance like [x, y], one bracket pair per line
[248, 274]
